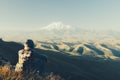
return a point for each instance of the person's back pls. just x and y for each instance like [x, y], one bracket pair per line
[30, 60]
[25, 57]
[39, 62]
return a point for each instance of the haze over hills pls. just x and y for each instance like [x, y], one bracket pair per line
[60, 31]
[61, 37]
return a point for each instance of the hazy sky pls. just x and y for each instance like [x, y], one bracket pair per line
[33, 14]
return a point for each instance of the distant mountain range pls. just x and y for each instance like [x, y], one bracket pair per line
[61, 31]
[60, 37]
[107, 48]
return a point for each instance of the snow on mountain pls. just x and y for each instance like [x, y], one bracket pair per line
[61, 31]
[56, 26]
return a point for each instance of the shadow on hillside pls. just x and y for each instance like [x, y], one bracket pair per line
[70, 67]
[95, 49]
[9, 50]
[115, 52]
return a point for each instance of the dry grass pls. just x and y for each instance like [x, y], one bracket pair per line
[6, 73]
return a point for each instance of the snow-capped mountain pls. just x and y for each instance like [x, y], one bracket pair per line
[61, 31]
[56, 26]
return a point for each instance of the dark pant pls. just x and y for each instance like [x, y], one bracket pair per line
[39, 67]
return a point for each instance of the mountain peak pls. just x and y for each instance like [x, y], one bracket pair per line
[56, 26]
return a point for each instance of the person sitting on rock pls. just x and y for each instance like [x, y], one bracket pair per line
[30, 60]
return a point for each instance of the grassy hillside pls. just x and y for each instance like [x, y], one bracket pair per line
[6, 73]
[68, 66]
[83, 67]
[9, 50]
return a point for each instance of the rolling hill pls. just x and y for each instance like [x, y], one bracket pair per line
[100, 48]
[69, 66]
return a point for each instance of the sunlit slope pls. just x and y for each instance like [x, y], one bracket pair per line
[103, 48]
[72, 67]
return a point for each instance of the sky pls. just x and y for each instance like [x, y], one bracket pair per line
[34, 14]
